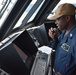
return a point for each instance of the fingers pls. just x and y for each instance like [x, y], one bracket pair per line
[52, 31]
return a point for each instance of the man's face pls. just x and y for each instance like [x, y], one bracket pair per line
[62, 22]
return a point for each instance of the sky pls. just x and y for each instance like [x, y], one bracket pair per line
[63, 1]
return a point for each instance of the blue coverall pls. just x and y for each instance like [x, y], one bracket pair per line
[65, 59]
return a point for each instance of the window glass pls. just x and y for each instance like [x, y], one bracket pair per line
[2, 3]
[33, 2]
[25, 13]
[63, 1]
[5, 8]
[32, 17]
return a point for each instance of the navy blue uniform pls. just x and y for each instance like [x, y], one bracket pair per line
[65, 61]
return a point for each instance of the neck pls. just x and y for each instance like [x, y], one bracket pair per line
[70, 26]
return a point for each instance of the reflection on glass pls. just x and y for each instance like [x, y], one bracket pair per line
[5, 8]
[25, 13]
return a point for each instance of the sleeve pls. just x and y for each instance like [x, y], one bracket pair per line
[53, 44]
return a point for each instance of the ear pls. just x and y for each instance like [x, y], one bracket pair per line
[68, 18]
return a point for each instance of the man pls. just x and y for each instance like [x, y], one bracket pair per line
[65, 43]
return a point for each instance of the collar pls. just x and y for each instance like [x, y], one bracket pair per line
[69, 35]
[72, 32]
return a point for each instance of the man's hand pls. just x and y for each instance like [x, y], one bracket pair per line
[53, 33]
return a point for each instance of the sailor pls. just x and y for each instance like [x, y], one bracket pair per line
[65, 43]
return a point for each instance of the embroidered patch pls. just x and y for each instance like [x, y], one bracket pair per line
[65, 46]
